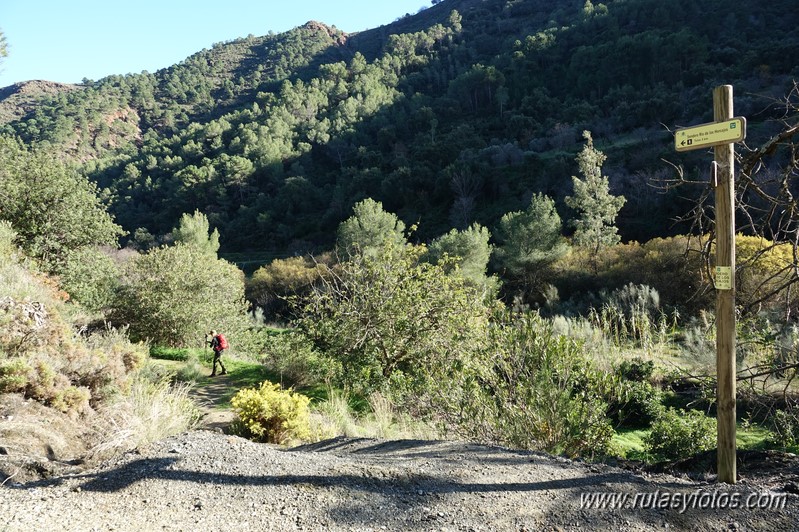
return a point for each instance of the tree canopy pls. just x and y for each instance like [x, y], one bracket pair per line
[52, 207]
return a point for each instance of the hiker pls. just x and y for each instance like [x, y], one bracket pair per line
[218, 343]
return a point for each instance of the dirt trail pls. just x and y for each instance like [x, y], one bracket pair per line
[212, 398]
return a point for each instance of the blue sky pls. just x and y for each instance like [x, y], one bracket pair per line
[68, 40]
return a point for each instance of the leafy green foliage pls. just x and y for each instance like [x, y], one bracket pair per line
[194, 230]
[636, 369]
[389, 319]
[52, 208]
[631, 403]
[530, 242]
[470, 251]
[369, 228]
[295, 359]
[90, 276]
[678, 434]
[174, 295]
[272, 285]
[786, 427]
[270, 414]
[529, 388]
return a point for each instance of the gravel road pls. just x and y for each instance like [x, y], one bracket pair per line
[206, 480]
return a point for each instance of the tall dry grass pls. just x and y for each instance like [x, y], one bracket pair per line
[149, 412]
[382, 420]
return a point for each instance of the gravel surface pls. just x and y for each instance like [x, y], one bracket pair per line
[206, 480]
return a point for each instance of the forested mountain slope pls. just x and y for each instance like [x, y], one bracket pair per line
[453, 115]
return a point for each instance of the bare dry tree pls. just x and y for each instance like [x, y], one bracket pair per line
[766, 198]
[767, 206]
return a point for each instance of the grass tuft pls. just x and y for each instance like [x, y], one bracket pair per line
[150, 412]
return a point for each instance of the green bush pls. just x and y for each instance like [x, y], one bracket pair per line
[678, 434]
[90, 276]
[293, 356]
[271, 285]
[637, 369]
[633, 404]
[270, 414]
[528, 389]
[786, 428]
[14, 375]
[174, 295]
[391, 319]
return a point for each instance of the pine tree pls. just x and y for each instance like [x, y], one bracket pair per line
[595, 227]
[194, 230]
[368, 228]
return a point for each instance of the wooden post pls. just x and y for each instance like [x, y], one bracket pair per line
[725, 298]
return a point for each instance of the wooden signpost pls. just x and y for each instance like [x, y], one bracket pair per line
[721, 134]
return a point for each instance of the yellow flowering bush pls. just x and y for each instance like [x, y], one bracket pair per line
[271, 414]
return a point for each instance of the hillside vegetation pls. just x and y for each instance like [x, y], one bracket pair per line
[470, 222]
[454, 115]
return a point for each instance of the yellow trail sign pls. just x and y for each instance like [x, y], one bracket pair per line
[711, 134]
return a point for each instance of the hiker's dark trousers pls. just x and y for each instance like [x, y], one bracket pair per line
[218, 358]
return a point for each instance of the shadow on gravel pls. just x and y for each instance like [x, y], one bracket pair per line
[356, 445]
[161, 468]
[437, 449]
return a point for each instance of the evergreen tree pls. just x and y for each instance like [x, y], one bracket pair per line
[194, 230]
[597, 208]
[530, 241]
[368, 228]
[470, 250]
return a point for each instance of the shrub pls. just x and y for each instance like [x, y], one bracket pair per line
[678, 434]
[71, 399]
[270, 414]
[33, 182]
[271, 285]
[14, 375]
[391, 319]
[529, 389]
[174, 295]
[90, 276]
[786, 428]
[637, 369]
[115, 343]
[293, 356]
[633, 403]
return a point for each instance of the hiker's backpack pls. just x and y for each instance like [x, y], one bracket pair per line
[222, 341]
